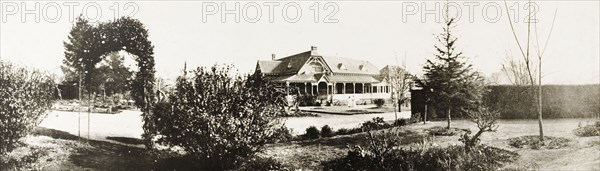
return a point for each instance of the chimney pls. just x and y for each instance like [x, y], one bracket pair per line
[313, 48]
[272, 56]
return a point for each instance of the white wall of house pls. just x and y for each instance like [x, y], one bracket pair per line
[365, 96]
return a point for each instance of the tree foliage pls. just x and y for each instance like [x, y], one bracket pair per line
[25, 96]
[218, 118]
[89, 44]
[114, 75]
[456, 86]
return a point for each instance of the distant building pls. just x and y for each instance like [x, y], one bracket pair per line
[329, 78]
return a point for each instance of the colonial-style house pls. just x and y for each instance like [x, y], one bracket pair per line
[327, 77]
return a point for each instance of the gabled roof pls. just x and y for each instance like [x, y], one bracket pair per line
[350, 66]
[287, 65]
[268, 66]
[338, 65]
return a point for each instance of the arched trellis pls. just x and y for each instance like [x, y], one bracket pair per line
[130, 35]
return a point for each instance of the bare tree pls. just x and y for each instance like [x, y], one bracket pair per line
[400, 81]
[528, 60]
[516, 71]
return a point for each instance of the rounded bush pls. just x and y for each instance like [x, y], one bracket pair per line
[379, 102]
[326, 131]
[25, 96]
[312, 132]
[218, 119]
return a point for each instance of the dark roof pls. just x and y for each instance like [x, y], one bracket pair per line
[287, 65]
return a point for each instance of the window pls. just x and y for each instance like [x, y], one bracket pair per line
[318, 69]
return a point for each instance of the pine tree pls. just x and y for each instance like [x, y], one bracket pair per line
[75, 50]
[455, 85]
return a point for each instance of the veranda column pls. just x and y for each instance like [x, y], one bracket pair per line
[287, 88]
[305, 88]
[363, 89]
[343, 88]
[353, 88]
[334, 90]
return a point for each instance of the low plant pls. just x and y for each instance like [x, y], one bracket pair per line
[375, 124]
[379, 102]
[533, 142]
[261, 163]
[400, 122]
[442, 131]
[383, 153]
[588, 130]
[414, 118]
[312, 132]
[345, 131]
[281, 135]
[326, 131]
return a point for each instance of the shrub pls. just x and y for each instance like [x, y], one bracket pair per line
[533, 142]
[400, 122]
[345, 131]
[588, 130]
[312, 132]
[379, 102]
[375, 124]
[308, 100]
[485, 120]
[383, 153]
[326, 131]
[25, 96]
[342, 131]
[414, 118]
[261, 163]
[217, 119]
[442, 131]
[280, 135]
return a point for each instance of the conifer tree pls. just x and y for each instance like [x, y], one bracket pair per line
[456, 86]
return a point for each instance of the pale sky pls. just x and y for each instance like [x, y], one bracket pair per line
[373, 31]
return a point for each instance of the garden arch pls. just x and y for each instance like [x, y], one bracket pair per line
[129, 35]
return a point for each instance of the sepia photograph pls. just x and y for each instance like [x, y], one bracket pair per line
[408, 85]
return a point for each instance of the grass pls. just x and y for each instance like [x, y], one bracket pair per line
[580, 153]
[49, 149]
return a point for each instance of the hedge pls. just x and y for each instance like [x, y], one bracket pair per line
[558, 101]
[518, 102]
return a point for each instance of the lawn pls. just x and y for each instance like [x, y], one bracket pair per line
[116, 144]
[580, 154]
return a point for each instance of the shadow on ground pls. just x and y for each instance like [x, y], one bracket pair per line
[102, 155]
[127, 140]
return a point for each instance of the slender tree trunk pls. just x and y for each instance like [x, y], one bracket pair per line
[448, 114]
[399, 106]
[540, 101]
[425, 115]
